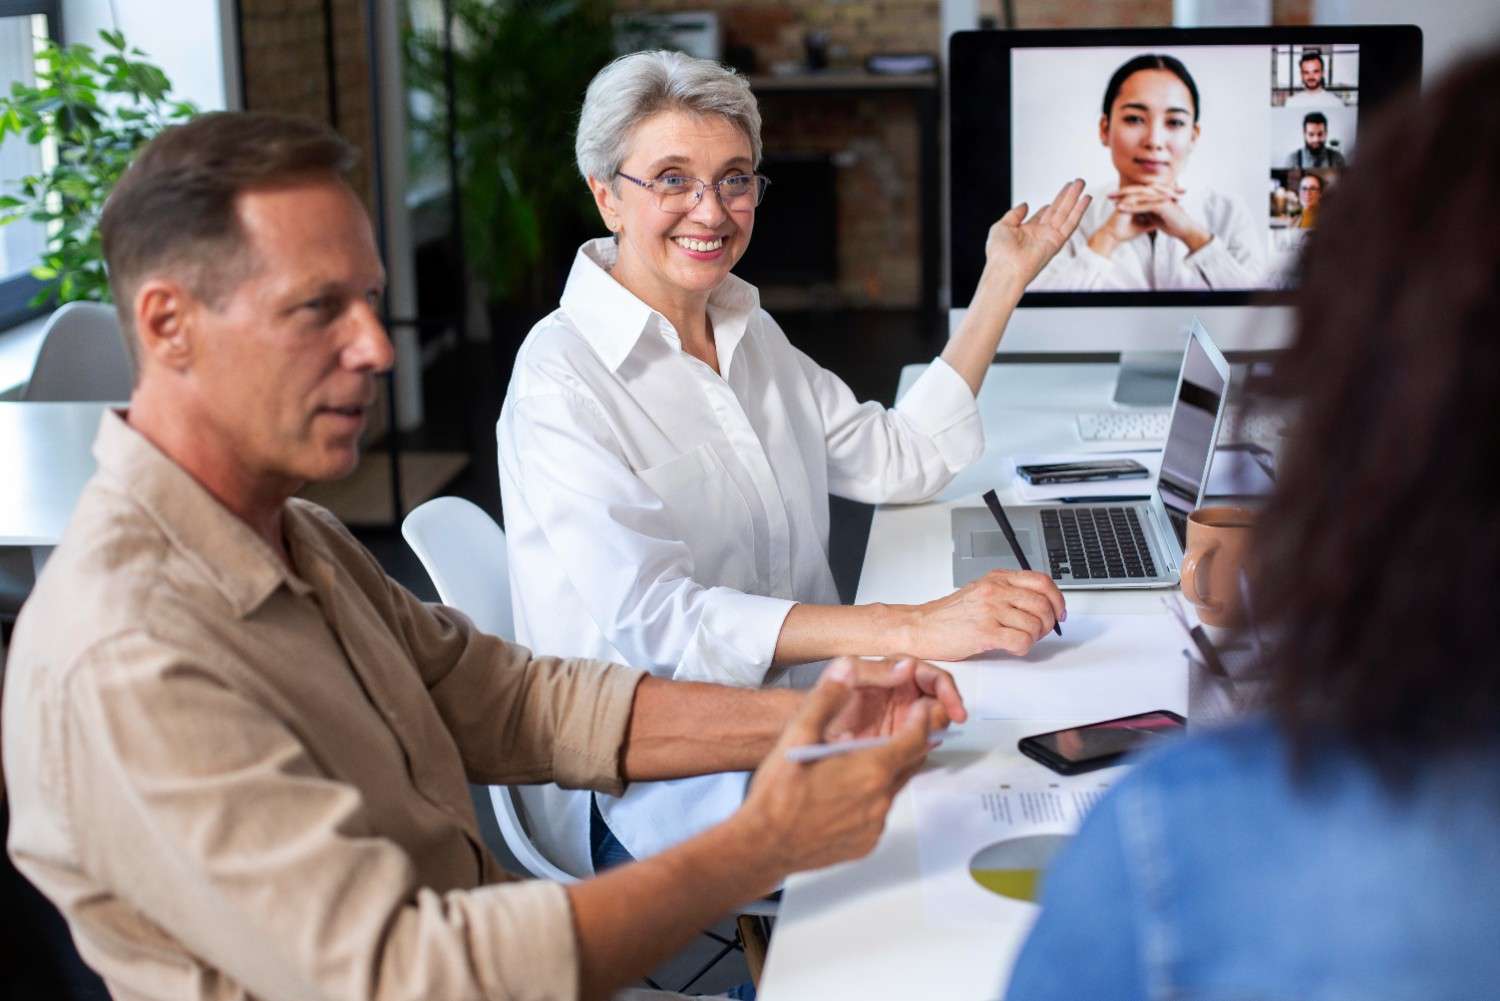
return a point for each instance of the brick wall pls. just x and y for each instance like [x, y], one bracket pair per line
[286, 68]
[874, 145]
[285, 62]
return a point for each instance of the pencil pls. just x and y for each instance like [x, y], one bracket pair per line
[1010, 536]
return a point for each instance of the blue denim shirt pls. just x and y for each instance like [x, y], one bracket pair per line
[1210, 874]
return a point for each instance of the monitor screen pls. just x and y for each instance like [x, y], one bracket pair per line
[1206, 151]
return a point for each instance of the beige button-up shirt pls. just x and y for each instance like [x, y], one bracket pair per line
[239, 780]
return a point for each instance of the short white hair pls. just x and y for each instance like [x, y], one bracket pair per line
[636, 86]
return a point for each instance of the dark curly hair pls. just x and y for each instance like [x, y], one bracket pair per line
[1150, 61]
[1378, 558]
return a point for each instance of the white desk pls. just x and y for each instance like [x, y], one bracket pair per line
[46, 456]
[859, 930]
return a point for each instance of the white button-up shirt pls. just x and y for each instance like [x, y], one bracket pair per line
[1234, 259]
[667, 516]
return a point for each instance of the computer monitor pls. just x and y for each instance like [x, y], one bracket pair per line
[1234, 133]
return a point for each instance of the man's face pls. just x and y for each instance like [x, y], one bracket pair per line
[1312, 74]
[1315, 134]
[283, 370]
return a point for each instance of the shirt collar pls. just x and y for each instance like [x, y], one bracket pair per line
[612, 320]
[225, 549]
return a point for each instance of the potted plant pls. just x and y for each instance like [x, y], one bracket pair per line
[92, 110]
[520, 68]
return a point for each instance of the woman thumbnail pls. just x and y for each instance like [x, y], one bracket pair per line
[1344, 843]
[1151, 230]
[666, 454]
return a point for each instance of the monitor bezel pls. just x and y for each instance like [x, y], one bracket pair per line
[1390, 55]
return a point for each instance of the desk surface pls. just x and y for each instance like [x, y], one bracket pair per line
[46, 456]
[860, 930]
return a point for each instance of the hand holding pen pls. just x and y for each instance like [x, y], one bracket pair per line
[993, 502]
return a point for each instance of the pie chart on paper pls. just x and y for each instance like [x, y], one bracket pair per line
[1013, 868]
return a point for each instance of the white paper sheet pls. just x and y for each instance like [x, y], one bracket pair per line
[1103, 666]
[960, 820]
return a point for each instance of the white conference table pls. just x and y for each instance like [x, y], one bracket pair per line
[861, 930]
[46, 457]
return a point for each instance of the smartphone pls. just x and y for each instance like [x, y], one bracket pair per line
[1098, 745]
[1079, 472]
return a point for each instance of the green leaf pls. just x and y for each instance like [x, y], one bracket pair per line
[43, 273]
[115, 39]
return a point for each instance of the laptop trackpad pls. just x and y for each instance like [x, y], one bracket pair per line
[993, 545]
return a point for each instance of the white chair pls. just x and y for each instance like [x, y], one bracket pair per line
[83, 358]
[463, 551]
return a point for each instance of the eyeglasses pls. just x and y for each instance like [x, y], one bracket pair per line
[679, 193]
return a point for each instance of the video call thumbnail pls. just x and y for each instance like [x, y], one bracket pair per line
[1207, 164]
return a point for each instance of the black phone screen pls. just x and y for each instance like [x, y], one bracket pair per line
[1095, 744]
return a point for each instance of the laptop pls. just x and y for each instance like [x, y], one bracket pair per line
[1122, 545]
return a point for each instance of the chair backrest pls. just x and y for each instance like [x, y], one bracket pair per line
[463, 551]
[83, 358]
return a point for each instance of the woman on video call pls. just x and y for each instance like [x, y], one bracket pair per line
[1149, 231]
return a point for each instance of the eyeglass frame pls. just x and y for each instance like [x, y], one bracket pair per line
[650, 185]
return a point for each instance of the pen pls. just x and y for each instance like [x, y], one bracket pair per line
[817, 752]
[1010, 537]
[1199, 639]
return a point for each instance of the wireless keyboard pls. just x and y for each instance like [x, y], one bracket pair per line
[1150, 426]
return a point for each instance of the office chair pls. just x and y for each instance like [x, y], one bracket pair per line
[463, 551]
[83, 358]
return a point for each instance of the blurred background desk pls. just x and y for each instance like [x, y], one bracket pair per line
[860, 930]
[46, 456]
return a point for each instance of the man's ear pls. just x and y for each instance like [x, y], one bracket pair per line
[163, 322]
[604, 201]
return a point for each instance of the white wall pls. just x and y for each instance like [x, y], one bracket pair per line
[193, 42]
[1451, 29]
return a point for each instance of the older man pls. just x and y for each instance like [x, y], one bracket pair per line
[237, 751]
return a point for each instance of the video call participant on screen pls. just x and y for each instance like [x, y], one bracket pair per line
[1314, 151]
[1313, 94]
[1150, 231]
[1310, 194]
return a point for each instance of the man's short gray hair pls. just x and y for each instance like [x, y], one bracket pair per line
[637, 86]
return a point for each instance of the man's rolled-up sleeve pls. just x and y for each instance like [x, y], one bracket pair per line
[205, 812]
[518, 718]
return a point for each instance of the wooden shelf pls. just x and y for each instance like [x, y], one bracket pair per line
[843, 80]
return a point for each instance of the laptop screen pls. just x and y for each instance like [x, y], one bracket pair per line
[1190, 438]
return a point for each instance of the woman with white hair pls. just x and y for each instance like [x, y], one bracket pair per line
[666, 454]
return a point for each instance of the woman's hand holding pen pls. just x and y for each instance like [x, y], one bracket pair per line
[1006, 610]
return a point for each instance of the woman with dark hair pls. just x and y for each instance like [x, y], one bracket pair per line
[1148, 231]
[1347, 843]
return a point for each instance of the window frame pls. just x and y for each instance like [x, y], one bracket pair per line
[16, 292]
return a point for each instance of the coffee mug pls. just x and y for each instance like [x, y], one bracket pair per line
[1218, 544]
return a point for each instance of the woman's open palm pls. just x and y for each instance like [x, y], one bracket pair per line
[1026, 245]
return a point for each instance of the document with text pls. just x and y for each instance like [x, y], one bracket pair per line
[984, 848]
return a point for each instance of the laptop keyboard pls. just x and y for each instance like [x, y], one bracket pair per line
[1096, 543]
